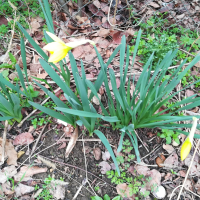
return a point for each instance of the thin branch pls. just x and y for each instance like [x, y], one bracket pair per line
[4, 142]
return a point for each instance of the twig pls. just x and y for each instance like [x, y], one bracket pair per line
[185, 189]
[20, 124]
[141, 141]
[191, 162]
[150, 152]
[193, 44]
[41, 151]
[12, 31]
[34, 146]
[86, 167]
[4, 142]
[61, 163]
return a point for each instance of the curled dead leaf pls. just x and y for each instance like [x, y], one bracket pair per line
[104, 167]
[72, 142]
[29, 171]
[160, 160]
[23, 138]
[97, 153]
[9, 152]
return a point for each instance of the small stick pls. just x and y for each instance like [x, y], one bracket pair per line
[34, 146]
[61, 163]
[188, 170]
[141, 141]
[20, 124]
[4, 142]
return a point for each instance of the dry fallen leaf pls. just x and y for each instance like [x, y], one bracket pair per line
[168, 176]
[22, 189]
[6, 187]
[72, 142]
[35, 25]
[42, 76]
[103, 32]
[29, 171]
[7, 172]
[87, 149]
[105, 156]
[124, 191]
[9, 151]
[104, 167]
[171, 160]
[63, 145]
[97, 153]
[23, 138]
[58, 189]
[160, 160]
[189, 93]
[97, 3]
[155, 178]
[169, 148]
[155, 5]
[142, 169]
[20, 153]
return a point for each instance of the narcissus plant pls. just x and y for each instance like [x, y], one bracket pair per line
[59, 49]
[187, 145]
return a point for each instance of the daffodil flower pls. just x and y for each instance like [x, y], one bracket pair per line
[187, 145]
[59, 49]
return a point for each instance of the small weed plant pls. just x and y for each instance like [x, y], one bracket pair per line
[169, 135]
[135, 183]
[105, 197]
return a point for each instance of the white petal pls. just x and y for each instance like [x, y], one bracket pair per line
[78, 43]
[193, 129]
[54, 37]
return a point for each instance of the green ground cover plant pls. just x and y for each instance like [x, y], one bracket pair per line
[169, 135]
[135, 183]
[25, 9]
[160, 41]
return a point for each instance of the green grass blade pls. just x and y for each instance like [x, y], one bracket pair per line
[122, 56]
[58, 80]
[91, 86]
[33, 43]
[136, 47]
[79, 112]
[110, 119]
[114, 87]
[23, 54]
[135, 147]
[50, 112]
[108, 147]
[5, 118]
[21, 78]
[47, 16]
[83, 93]
[113, 55]
[121, 142]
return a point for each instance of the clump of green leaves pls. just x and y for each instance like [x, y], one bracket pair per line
[45, 194]
[160, 45]
[169, 135]
[13, 60]
[40, 121]
[135, 183]
[160, 41]
[105, 197]
[25, 9]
